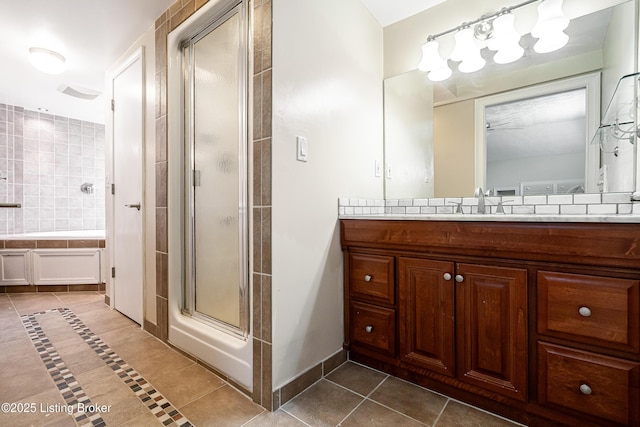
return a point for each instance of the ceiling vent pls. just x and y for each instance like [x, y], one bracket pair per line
[79, 92]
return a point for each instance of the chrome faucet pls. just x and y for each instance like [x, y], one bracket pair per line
[482, 208]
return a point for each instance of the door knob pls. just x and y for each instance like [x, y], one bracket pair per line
[446, 276]
[459, 278]
[134, 205]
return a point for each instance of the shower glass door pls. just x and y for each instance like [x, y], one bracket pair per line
[215, 174]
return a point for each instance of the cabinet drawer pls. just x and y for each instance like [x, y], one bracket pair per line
[371, 277]
[597, 310]
[597, 385]
[373, 327]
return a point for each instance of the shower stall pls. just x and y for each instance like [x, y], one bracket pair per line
[208, 214]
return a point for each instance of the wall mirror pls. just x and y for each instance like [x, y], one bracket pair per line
[438, 136]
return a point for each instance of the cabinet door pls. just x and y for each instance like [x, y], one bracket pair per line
[426, 314]
[491, 322]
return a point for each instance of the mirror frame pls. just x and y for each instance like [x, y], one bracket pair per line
[590, 81]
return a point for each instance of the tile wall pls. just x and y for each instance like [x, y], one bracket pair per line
[557, 204]
[261, 213]
[44, 159]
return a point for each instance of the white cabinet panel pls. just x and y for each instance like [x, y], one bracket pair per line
[15, 267]
[66, 266]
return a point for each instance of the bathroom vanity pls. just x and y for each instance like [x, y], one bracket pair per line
[536, 321]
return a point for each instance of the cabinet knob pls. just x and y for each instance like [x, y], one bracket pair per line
[585, 389]
[369, 329]
[446, 276]
[368, 278]
[459, 278]
[584, 311]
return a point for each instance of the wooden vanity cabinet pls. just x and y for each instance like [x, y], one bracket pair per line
[467, 321]
[538, 322]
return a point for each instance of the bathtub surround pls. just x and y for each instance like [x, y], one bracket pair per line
[44, 160]
[51, 243]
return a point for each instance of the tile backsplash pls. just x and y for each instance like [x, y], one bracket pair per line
[561, 204]
[44, 160]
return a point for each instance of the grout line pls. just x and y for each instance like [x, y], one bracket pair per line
[293, 416]
[435, 423]
[363, 400]
[515, 423]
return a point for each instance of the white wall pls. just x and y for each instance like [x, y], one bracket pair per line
[146, 41]
[408, 135]
[327, 86]
[617, 63]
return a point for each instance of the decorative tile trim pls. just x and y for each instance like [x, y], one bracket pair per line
[564, 204]
[73, 393]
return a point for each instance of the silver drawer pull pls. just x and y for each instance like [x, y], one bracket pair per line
[585, 389]
[369, 329]
[446, 276]
[368, 278]
[584, 311]
[459, 278]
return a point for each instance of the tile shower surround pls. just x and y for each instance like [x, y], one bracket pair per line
[261, 204]
[561, 204]
[45, 159]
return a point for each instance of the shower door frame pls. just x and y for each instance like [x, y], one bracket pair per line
[190, 177]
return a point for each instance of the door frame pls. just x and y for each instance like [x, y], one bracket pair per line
[138, 54]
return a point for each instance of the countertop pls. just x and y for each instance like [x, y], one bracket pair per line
[626, 218]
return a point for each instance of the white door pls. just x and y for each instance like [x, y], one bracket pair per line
[128, 137]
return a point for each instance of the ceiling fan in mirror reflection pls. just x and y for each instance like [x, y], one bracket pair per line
[496, 32]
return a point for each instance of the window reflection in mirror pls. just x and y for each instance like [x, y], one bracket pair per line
[537, 145]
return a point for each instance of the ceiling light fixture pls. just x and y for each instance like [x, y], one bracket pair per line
[497, 32]
[46, 60]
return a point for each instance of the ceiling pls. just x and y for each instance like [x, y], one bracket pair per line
[388, 12]
[91, 34]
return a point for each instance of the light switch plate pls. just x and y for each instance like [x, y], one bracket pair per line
[302, 148]
[378, 169]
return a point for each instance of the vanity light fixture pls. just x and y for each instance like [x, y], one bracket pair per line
[433, 63]
[46, 60]
[549, 30]
[497, 32]
[467, 51]
[505, 40]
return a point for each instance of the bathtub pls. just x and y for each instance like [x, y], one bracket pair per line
[53, 261]
[57, 235]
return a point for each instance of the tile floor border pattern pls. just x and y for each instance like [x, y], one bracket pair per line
[153, 400]
[64, 380]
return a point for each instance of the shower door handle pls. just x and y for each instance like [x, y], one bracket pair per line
[134, 205]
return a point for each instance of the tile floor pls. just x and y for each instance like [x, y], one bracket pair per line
[60, 350]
